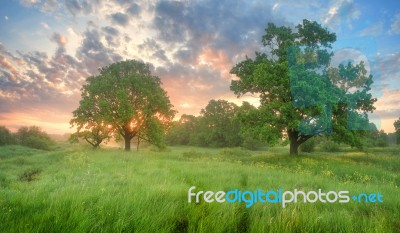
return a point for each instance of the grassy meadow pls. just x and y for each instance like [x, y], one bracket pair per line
[77, 189]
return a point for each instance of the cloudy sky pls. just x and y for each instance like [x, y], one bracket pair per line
[49, 47]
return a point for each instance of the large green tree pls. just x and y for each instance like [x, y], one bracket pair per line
[301, 95]
[220, 126]
[127, 99]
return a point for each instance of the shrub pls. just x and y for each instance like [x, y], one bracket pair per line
[37, 142]
[251, 143]
[34, 137]
[6, 138]
[381, 143]
[330, 146]
[308, 146]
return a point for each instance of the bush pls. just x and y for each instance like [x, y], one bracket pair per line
[308, 146]
[330, 146]
[235, 152]
[6, 138]
[38, 142]
[381, 143]
[34, 137]
[251, 143]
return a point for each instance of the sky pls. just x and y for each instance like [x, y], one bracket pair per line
[48, 48]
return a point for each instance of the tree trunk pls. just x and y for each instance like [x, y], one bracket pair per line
[296, 140]
[138, 142]
[127, 142]
[294, 146]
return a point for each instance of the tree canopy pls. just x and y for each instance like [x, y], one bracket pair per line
[125, 99]
[217, 126]
[220, 124]
[301, 94]
[90, 124]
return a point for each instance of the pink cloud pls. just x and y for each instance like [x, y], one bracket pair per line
[388, 109]
[390, 100]
[6, 64]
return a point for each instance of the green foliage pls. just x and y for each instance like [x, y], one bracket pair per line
[251, 143]
[330, 146]
[34, 137]
[124, 99]
[6, 138]
[300, 94]
[308, 146]
[396, 125]
[397, 129]
[252, 130]
[392, 138]
[180, 131]
[375, 138]
[398, 137]
[381, 140]
[94, 136]
[220, 125]
[153, 133]
[382, 143]
[90, 126]
[217, 126]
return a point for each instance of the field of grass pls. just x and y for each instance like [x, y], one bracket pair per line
[76, 189]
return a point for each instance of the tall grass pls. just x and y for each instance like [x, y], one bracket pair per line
[109, 190]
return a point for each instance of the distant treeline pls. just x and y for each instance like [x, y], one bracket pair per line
[220, 124]
[31, 136]
[224, 124]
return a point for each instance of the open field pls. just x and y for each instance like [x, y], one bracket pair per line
[76, 189]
